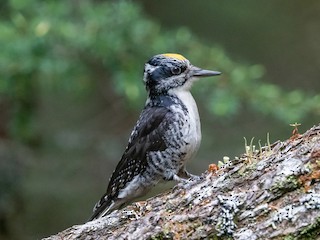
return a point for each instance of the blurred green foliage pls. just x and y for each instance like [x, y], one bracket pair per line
[76, 48]
[65, 46]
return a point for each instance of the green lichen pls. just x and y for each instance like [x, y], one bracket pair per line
[289, 184]
[246, 170]
[164, 235]
[289, 237]
[311, 232]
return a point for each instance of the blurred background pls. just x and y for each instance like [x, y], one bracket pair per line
[71, 90]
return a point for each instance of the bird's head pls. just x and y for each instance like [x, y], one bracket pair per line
[170, 72]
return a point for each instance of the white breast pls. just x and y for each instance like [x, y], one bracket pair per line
[193, 135]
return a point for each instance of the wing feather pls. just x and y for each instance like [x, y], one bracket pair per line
[147, 136]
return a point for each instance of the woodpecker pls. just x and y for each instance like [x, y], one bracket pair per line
[166, 135]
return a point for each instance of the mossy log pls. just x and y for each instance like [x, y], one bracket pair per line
[272, 193]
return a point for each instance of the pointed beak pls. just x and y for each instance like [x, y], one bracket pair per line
[198, 72]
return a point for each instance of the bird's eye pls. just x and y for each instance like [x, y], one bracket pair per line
[176, 70]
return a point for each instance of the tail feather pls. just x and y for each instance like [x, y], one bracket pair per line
[106, 206]
[101, 208]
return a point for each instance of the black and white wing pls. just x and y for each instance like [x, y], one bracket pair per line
[147, 136]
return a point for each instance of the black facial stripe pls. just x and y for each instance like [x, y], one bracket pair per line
[160, 73]
[165, 72]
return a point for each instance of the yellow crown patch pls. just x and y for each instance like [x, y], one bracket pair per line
[174, 55]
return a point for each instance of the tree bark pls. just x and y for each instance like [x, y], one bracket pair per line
[270, 193]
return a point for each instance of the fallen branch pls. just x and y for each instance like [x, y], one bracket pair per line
[265, 194]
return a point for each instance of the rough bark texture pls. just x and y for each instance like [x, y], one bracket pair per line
[273, 193]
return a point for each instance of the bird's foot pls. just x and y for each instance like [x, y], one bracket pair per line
[188, 176]
[195, 177]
